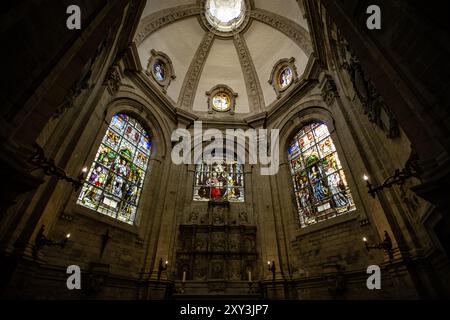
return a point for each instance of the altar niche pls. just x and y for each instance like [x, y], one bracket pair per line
[217, 246]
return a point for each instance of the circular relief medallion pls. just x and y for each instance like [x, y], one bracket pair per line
[221, 102]
[159, 70]
[285, 77]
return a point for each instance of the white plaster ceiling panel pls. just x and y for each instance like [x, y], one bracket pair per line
[222, 67]
[268, 45]
[288, 8]
[153, 6]
[179, 41]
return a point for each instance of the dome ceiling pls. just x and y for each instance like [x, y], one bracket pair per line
[236, 43]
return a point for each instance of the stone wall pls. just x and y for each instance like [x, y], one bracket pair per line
[324, 261]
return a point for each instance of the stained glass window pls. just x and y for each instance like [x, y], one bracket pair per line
[221, 102]
[320, 186]
[219, 180]
[159, 70]
[114, 183]
[285, 77]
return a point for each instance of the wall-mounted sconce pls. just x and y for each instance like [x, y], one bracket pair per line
[162, 267]
[271, 268]
[385, 245]
[47, 165]
[411, 170]
[41, 241]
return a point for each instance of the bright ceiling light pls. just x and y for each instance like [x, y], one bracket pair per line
[225, 15]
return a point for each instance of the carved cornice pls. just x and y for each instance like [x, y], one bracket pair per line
[257, 120]
[187, 94]
[159, 19]
[254, 91]
[185, 117]
[291, 29]
[142, 81]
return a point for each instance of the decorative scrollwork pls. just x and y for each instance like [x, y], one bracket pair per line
[254, 90]
[374, 106]
[190, 84]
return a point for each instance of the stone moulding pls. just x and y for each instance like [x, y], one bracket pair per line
[254, 91]
[159, 19]
[291, 29]
[190, 84]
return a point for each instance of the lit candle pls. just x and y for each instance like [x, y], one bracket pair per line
[184, 276]
[366, 178]
[85, 169]
[365, 239]
[68, 236]
[249, 276]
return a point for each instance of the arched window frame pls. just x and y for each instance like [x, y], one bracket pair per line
[136, 112]
[238, 185]
[299, 120]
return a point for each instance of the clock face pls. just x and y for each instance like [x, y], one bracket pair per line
[159, 71]
[285, 77]
[221, 102]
